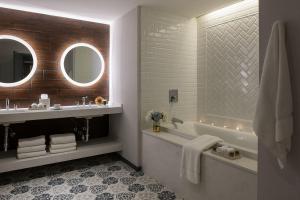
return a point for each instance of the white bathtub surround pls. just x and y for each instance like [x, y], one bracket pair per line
[168, 61]
[34, 141]
[216, 171]
[62, 138]
[191, 130]
[228, 67]
[191, 156]
[274, 113]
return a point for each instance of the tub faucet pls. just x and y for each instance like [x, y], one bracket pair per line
[175, 120]
[7, 103]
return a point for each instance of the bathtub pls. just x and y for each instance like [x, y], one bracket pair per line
[244, 141]
[220, 178]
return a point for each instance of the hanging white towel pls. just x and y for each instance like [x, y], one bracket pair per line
[62, 146]
[273, 122]
[34, 141]
[191, 156]
[62, 150]
[31, 155]
[62, 138]
[31, 149]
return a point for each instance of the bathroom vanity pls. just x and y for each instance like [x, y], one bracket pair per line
[8, 160]
[73, 68]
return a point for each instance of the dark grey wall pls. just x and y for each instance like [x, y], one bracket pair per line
[273, 183]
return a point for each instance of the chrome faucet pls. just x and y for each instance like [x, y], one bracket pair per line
[84, 100]
[7, 103]
[175, 120]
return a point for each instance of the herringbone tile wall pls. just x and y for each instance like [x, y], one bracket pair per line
[228, 67]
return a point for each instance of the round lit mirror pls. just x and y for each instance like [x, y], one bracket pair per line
[82, 64]
[18, 61]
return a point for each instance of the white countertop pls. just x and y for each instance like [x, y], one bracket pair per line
[23, 114]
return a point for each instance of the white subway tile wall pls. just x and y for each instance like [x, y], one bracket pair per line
[168, 61]
[228, 67]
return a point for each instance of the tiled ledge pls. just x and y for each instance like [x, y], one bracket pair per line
[244, 163]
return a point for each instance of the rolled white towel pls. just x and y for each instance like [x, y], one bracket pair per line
[62, 138]
[225, 149]
[34, 141]
[31, 149]
[62, 146]
[31, 155]
[62, 150]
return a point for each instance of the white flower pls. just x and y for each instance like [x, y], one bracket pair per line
[148, 116]
[165, 116]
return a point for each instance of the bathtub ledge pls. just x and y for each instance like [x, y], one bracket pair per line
[244, 163]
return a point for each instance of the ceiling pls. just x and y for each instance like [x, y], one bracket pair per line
[109, 10]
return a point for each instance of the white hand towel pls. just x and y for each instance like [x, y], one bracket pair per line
[34, 141]
[273, 122]
[31, 155]
[31, 149]
[191, 156]
[62, 150]
[62, 138]
[62, 146]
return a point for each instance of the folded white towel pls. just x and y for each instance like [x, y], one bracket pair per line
[31, 149]
[31, 155]
[62, 138]
[34, 141]
[191, 156]
[62, 146]
[62, 150]
[273, 122]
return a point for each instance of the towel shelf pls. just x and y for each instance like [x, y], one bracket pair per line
[9, 162]
[22, 115]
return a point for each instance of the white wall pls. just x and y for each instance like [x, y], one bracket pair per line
[228, 64]
[274, 183]
[125, 83]
[168, 61]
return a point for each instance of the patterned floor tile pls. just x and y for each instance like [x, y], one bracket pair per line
[99, 178]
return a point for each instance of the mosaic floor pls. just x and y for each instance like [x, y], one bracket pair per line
[100, 178]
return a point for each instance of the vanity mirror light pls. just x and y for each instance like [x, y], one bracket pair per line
[18, 61]
[82, 64]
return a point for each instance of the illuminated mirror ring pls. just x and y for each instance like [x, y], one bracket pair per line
[32, 68]
[66, 74]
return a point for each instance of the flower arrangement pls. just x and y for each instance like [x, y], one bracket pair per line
[156, 117]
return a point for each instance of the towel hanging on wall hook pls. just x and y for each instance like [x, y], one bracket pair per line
[273, 122]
